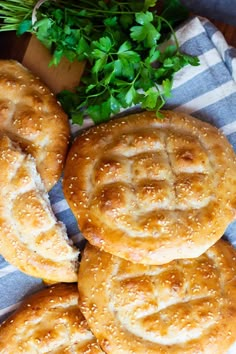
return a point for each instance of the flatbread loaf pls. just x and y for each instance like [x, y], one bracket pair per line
[48, 322]
[31, 238]
[31, 115]
[184, 307]
[152, 190]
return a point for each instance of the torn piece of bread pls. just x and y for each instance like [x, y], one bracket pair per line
[48, 322]
[31, 115]
[183, 307]
[152, 190]
[31, 238]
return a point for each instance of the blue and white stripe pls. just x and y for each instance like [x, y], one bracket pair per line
[207, 91]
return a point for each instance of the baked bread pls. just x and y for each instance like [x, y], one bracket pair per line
[31, 238]
[152, 190]
[30, 115]
[183, 307]
[48, 322]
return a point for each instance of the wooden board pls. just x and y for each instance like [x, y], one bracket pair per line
[64, 76]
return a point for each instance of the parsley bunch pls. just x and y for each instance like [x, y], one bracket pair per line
[121, 42]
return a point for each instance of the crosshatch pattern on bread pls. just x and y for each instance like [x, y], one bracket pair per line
[152, 190]
[31, 115]
[186, 306]
[31, 238]
[48, 322]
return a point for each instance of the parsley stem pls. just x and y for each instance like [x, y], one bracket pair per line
[92, 6]
[172, 31]
[98, 94]
[98, 12]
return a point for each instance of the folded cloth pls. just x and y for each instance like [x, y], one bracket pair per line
[207, 92]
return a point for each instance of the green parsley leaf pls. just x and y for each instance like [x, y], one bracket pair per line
[98, 54]
[154, 55]
[130, 96]
[151, 97]
[168, 63]
[24, 26]
[129, 55]
[59, 15]
[159, 114]
[121, 44]
[82, 49]
[111, 21]
[146, 33]
[167, 86]
[191, 60]
[42, 28]
[126, 20]
[115, 105]
[57, 55]
[104, 44]
[148, 4]
[99, 64]
[77, 117]
[170, 51]
[102, 110]
[144, 17]
[124, 68]
[124, 47]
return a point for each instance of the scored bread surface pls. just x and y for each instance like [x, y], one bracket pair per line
[31, 115]
[31, 238]
[48, 322]
[152, 190]
[184, 307]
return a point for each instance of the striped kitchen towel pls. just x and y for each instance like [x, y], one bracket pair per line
[207, 92]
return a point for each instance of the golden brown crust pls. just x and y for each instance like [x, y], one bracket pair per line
[30, 236]
[183, 307]
[151, 190]
[48, 322]
[30, 114]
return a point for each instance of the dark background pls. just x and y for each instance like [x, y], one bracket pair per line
[221, 10]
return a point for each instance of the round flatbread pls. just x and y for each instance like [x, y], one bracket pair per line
[31, 238]
[186, 306]
[48, 322]
[31, 115]
[152, 190]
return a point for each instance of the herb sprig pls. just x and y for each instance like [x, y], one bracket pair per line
[121, 41]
